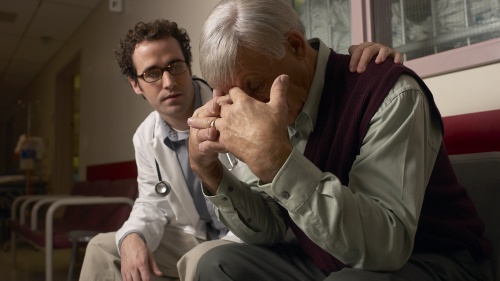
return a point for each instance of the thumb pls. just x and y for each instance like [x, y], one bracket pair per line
[279, 90]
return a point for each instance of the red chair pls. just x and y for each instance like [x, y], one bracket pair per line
[95, 206]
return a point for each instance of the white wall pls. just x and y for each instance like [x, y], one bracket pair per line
[106, 129]
[110, 111]
[467, 91]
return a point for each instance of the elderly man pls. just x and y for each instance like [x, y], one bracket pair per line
[156, 59]
[353, 164]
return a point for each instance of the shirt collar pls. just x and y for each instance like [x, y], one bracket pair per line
[306, 120]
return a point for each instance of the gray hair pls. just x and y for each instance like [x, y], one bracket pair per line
[258, 25]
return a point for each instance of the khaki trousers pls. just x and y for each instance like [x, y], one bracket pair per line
[188, 263]
[102, 261]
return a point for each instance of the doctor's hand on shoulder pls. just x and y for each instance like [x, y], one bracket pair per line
[137, 261]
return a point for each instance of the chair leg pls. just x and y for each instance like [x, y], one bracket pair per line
[74, 251]
[13, 249]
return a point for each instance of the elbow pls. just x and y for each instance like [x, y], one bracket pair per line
[384, 263]
[389, 259]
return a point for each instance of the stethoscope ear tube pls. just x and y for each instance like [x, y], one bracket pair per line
[162, 188]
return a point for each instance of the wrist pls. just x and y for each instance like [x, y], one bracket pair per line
[267, 168]
[131, 236]
[210, 177]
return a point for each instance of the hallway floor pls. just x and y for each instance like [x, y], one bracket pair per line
[31, 264]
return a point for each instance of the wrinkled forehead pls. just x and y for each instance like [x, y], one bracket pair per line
[234, 69]
[247, 68]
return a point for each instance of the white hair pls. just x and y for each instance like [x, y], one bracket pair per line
[257, 25]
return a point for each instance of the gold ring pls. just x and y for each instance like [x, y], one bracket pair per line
[212, 124]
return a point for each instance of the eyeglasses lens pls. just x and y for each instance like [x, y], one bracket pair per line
[156, 74]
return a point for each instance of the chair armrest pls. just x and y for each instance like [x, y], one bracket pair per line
[33, 199]
[17, 202]
[84, 200]
[44, 201]
[24, 201]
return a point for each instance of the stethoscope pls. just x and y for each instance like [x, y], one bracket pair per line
[232, 161]
[162, 188]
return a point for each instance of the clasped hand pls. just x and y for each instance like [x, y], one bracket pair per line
[254, 131]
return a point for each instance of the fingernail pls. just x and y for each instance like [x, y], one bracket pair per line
[190, 121]
[284, 80]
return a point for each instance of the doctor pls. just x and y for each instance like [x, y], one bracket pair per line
[170, 216]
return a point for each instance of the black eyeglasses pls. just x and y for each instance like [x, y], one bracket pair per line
[156, 74]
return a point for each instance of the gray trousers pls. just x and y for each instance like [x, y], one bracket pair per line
[287, 261]
[102, 260]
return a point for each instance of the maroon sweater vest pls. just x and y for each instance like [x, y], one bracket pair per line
[448, 220]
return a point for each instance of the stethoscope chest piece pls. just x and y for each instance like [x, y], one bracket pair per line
[162, 188]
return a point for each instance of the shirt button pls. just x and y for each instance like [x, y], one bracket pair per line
[285, 195]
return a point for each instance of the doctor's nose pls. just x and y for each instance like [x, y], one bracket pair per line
[168, 80]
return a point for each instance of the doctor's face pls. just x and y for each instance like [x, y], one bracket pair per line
[172, 95]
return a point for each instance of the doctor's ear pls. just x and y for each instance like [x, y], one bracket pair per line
[134, 83]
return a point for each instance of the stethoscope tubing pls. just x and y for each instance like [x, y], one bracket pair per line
[162, 188]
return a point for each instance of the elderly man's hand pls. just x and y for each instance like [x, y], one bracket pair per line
[203, 145]
[254, 131]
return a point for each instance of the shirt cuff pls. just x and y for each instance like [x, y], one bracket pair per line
[294, 183]
[127, 233]
[226, 189]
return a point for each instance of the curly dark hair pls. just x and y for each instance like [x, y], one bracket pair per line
[154, 30]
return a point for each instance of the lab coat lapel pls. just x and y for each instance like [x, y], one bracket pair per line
[182, 203]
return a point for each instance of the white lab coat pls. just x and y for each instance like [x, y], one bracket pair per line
[151, 213]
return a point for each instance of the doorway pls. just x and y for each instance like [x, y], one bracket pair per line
[66, 147]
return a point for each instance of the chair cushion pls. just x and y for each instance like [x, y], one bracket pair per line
[480, 174]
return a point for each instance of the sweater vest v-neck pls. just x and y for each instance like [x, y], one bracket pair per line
[448, 220]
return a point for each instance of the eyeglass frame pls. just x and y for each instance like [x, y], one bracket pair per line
[163, 69]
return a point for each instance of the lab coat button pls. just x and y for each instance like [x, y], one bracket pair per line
[285, 195]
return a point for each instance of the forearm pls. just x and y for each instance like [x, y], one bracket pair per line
[146, 220]
[377, 214]
[351, 225]
[250, 214]
[210, 175]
